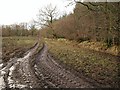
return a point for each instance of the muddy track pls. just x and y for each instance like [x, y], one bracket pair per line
[54, 74]
[41, 72]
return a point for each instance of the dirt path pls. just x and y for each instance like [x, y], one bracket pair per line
[54, 74]
[43, 72]
[8, 73]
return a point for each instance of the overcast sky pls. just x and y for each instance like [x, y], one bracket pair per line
[16, 11]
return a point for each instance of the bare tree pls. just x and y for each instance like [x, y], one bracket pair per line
[47, 15]
[32, 28]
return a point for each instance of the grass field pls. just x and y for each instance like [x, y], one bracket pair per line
[101, 67]
[15, 46]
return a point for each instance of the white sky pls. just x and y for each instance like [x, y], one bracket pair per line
[16, 11]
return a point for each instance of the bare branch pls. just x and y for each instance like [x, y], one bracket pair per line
[47, 15]
[89, 5]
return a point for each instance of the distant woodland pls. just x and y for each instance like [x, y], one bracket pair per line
[88, 22]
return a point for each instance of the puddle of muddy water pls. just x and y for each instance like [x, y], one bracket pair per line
[2, 83]
[4, 70]
[9, 68]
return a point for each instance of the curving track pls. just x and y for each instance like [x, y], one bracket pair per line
[42, 72]
[54, 74]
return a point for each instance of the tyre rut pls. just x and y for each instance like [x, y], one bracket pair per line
[42, 72]
[55, 73]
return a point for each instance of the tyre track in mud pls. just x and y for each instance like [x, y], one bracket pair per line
[7, 72]
[42, 72]
[55, 74]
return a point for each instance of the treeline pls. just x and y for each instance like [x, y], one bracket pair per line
[90, 21]
[18, 30]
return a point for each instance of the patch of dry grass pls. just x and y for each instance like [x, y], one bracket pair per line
[100, 46]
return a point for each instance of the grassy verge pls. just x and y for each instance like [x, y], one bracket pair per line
[15, 46]
[101, 67]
